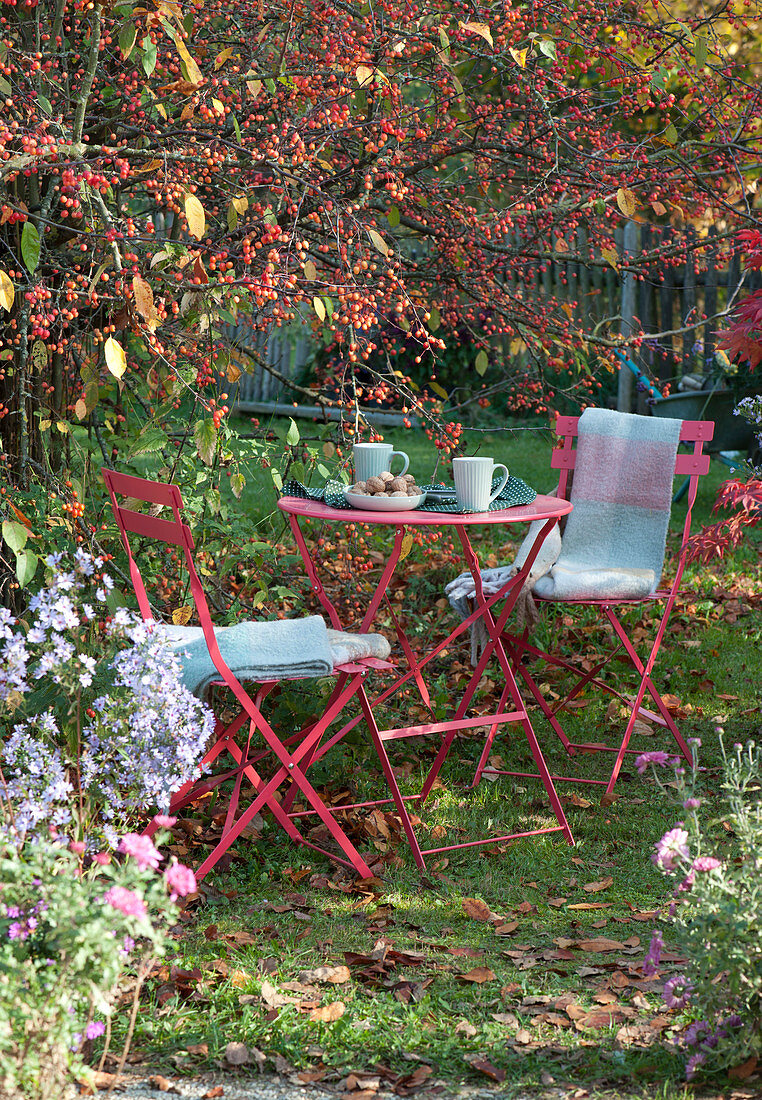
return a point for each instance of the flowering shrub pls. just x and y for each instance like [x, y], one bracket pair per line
[67, 936]
[716, 915]
[103, 726]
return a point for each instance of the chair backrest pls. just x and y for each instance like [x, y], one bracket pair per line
[174, 532]
[691, 465]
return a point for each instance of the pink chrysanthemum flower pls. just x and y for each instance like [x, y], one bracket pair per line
[142, 850]
[126, 901]
[180, 880]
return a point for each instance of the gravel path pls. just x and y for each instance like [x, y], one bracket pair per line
[274, 1087]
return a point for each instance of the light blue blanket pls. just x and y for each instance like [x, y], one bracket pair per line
[278, 650]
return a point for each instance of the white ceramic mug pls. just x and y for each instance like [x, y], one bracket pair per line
[473, 482]
[371, 459]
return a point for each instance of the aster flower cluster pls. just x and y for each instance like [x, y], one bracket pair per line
[68, 934]
[105, 726]
[716, 912]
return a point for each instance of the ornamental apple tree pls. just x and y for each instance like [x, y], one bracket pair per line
[394, 175]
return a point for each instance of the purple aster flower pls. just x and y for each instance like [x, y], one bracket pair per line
[691, 803]
[672, 847]
[677, 991]
[652, 959]
[696, 1033]
[693, 1065]
[646, 758]
[94, 1029]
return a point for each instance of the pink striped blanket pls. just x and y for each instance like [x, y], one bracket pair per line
[613, 545]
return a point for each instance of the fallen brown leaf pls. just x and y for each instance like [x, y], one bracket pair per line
[476, 909]
[744, 1070]
[213, 1093]
[479, 974]
[591, 905]
[594, 887]
[163, 1084]
[335, 975]
[485, 1067]
[328, 1014]
[601, 943]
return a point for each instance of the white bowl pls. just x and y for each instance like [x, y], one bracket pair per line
[383, 504]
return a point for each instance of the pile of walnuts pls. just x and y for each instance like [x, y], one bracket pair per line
[387, 485]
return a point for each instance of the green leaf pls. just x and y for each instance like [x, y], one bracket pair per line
[214, 500]
[700, 50]
[150, 439]
[127, 36]
[277, 479]
[15, 534]
[26, 566]
[237, 485]
[671, 135]
[434, 319]
[205, 435]
[481, 363]
[292, 435]
[548, 47]
[45, 103]
[393, 217]
[440, 391]
[236, 129]
[148, 58]
[30, 247]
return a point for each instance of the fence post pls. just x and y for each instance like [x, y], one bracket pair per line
[629, 291]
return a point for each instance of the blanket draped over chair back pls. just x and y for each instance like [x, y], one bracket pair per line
[613, 545]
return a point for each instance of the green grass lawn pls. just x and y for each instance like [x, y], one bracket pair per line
[520, 965]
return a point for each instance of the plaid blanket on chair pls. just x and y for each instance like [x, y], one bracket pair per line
[613, 545]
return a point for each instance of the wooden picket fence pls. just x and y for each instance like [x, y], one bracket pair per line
[684, 301]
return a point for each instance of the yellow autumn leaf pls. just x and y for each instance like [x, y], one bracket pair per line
[194, 212]
[254, 86]
[195, 76]
[319, 307]
[7, 291]
[611, 256]
[364, 74]
[310, 271]
[626, 201]
[143, 295]
[379, 242]
[407, 545]
[482, 29]
[519, 56]
[221, 58]
[116, 360]
[219, 106]
[241, 203]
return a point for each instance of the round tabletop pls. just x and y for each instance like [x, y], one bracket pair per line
[541, 507]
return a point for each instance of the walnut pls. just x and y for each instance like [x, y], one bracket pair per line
[381, 494]
[359, 487]
[409, 478]
[413, 490]
[374, 485]
[386, 475]
[398, 493]
[399, 485]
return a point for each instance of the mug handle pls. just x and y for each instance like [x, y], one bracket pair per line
[401, 454]
[503, 483]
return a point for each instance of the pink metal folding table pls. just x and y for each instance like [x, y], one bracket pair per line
[511, 708]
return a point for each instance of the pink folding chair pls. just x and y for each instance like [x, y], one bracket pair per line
[524, 652]
[248, 738]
